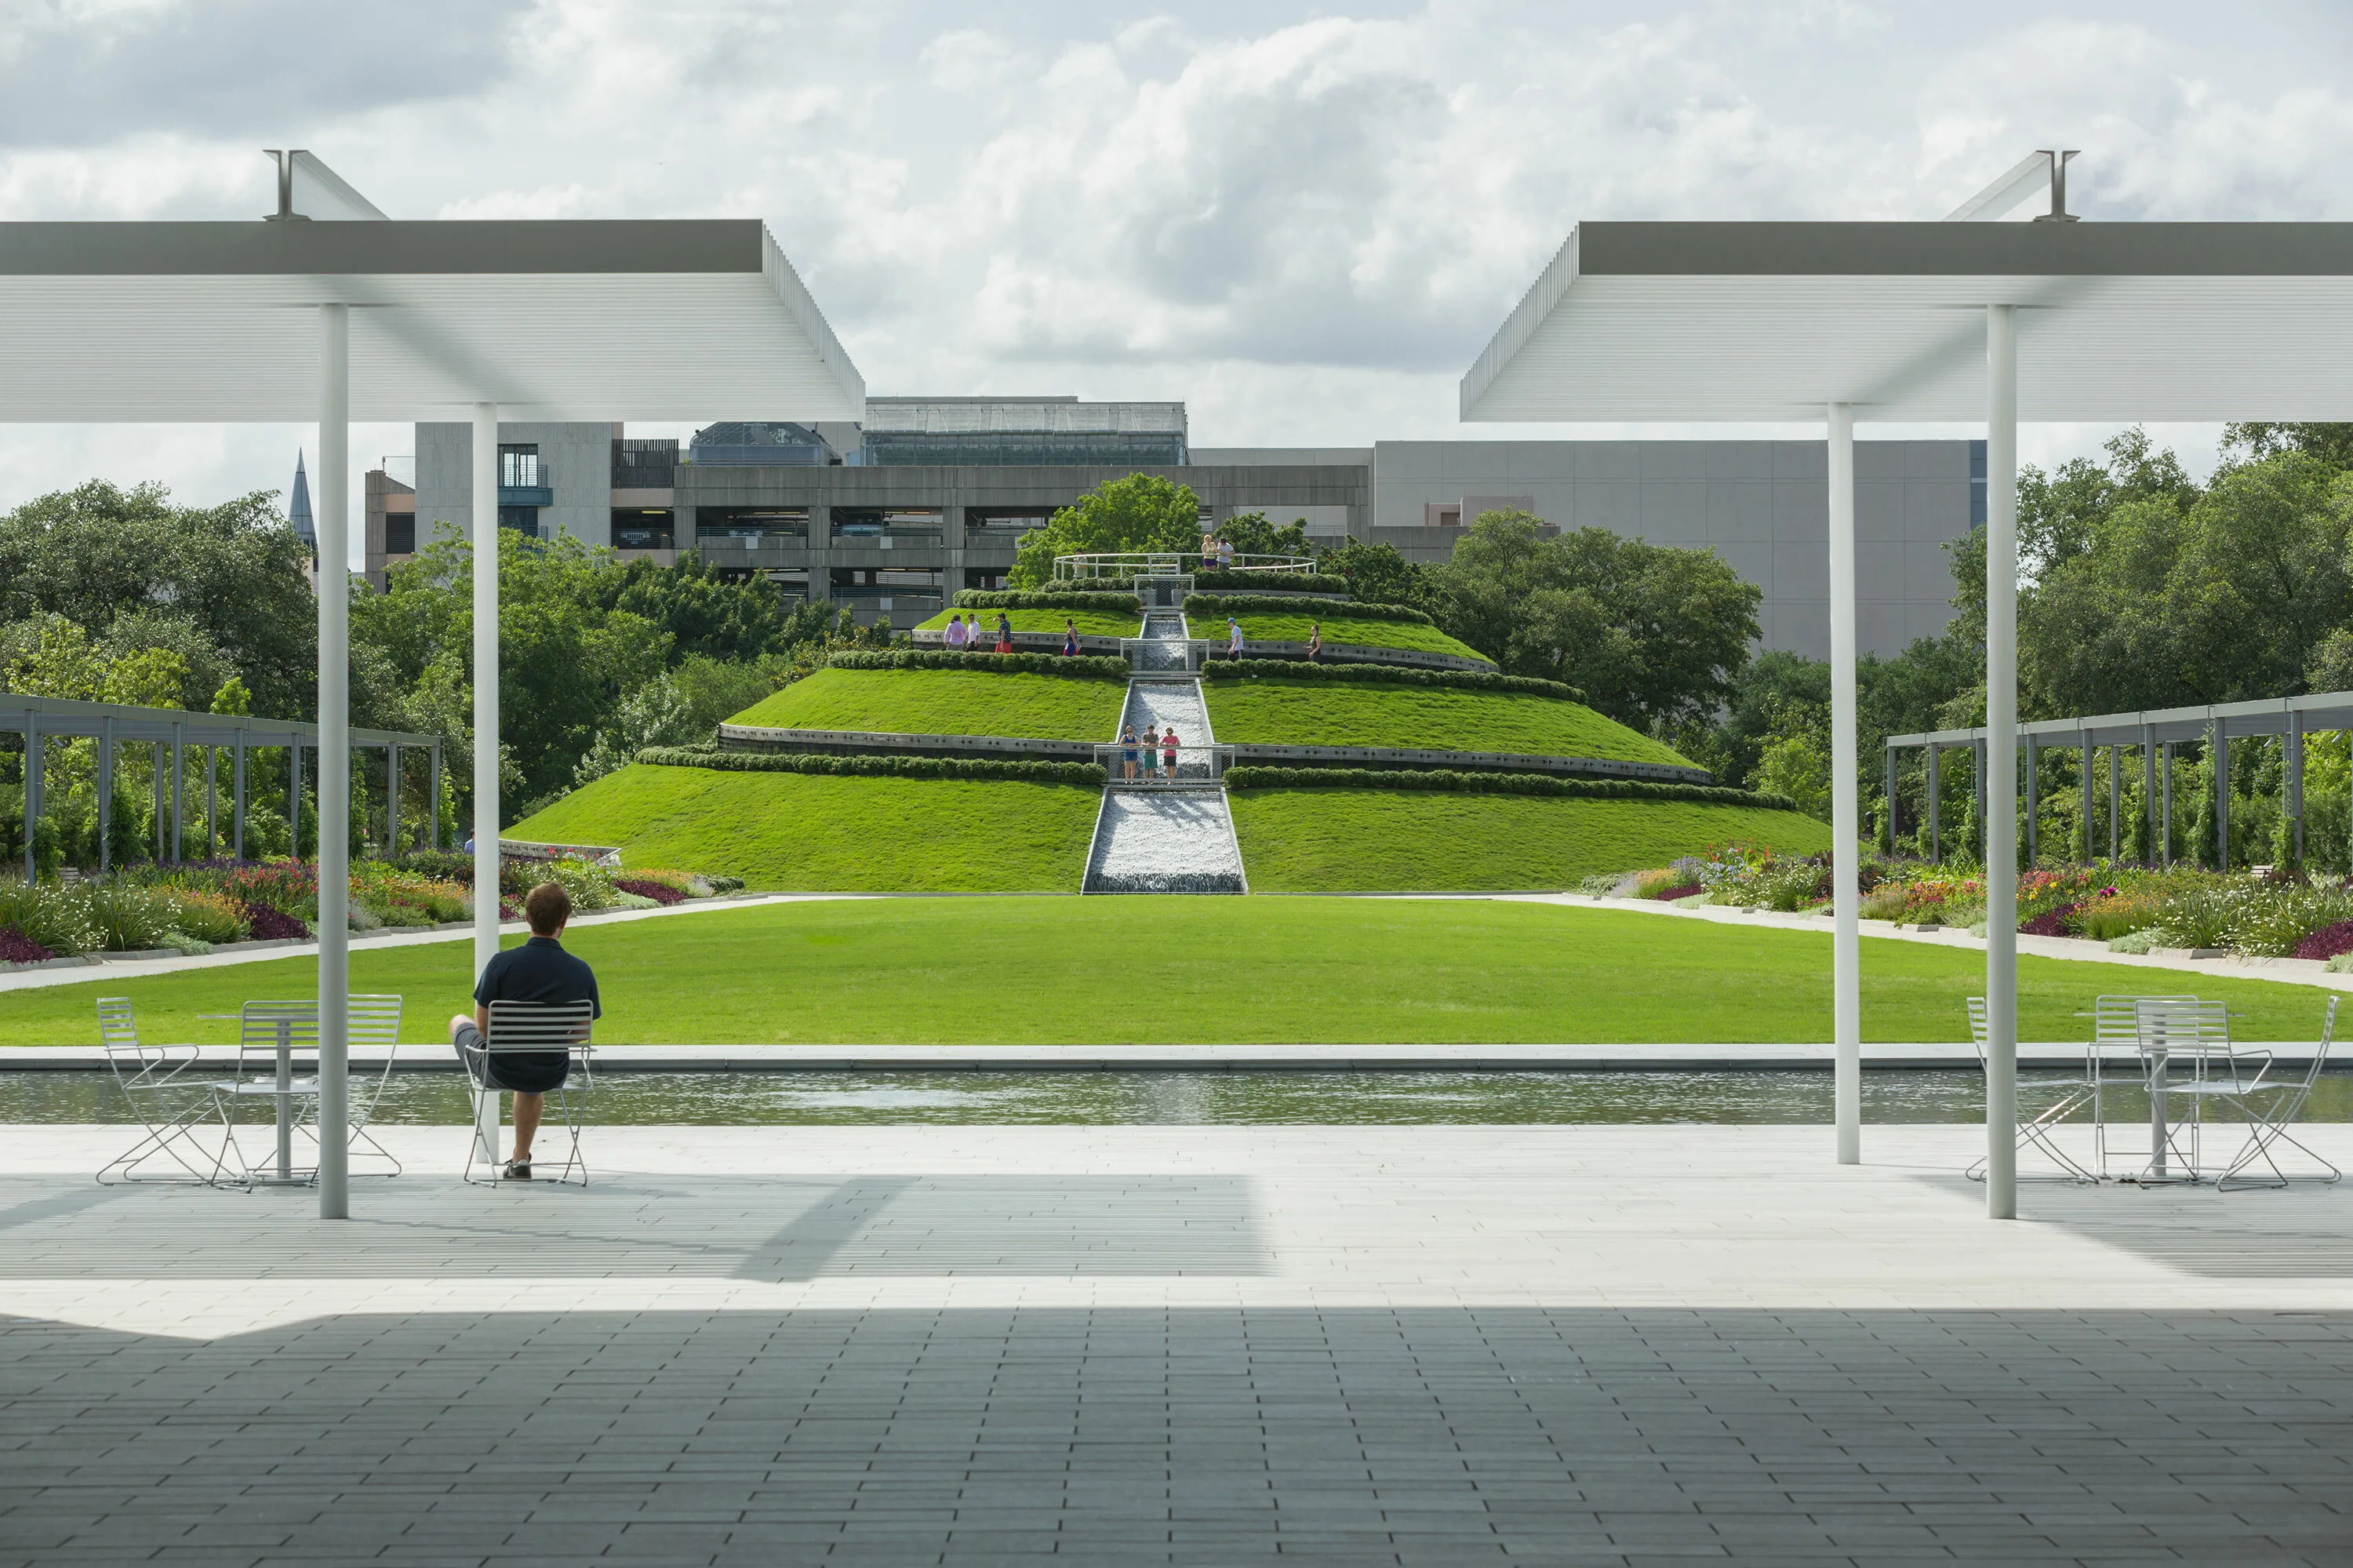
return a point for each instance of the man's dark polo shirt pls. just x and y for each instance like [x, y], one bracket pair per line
[539, 970]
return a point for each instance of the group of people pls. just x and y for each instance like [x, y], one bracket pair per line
[1156, 747]
[961, 634]
[1217, 555]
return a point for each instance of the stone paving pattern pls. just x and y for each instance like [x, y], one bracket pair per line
[1194, 1345]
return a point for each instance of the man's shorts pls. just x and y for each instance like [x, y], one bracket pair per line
[519, 1072]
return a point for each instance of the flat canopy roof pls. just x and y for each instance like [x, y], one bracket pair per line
[2267, 715]
[59, 717]
[1772, 321]
[551, 319]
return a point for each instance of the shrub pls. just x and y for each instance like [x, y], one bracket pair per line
[1083, 666]
[127, 918]
[2117, 913]
[1252, 776]
[2327, 942]
[1600, 885]
[1107, 603]
[1263, 583]
[206, 916]
[2050, 923]
[652, 891]
[1222, 668]
[16, 947]
[264, 924]
[725, 884]
[872, 767]
[2198, 917]
[1218, 606]
[589, 884]
[1653, 883]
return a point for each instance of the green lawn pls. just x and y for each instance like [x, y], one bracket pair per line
[1223, 970]
[1339, 629]
[796, 832]
[1433, 718]
[1089, 622]
[1379, 841]
[945, 702]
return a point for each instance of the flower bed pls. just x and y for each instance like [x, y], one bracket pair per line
[2327, 942]
[659, 892]
[16, 947]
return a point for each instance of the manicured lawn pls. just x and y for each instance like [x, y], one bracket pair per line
[1089, 622]
[945, 702]
[795, 832]
[1338, 630]
[1333, 713]
[1226, 970]
[1408, 841]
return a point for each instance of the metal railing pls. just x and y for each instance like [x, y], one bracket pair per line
[886, 533]
[1197, 767]
[1169, 564]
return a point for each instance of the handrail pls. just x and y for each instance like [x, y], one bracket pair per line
[1197, 767]
[1167, 564]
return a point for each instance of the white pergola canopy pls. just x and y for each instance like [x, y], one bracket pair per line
[2053, 320]
[1773, 320]
[110, 323]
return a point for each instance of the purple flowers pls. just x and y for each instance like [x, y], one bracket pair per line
[2327, 942]
[16, 947]
[268, 925]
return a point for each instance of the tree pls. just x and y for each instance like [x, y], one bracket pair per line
[1378, 574]
[1252, 534]
[2331, 444]
[1654, 636]
[1774, 681]
[1795, 757]
[1141, 513]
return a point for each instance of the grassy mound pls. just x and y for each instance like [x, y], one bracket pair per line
[944, 702]
[1323, 712]
[1272, 971]
[795, 832]
[1340, 630]
[1089, 622]
[1375, 840]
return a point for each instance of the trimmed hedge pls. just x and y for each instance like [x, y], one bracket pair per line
[1246, 583]
[1016, 598]
[1220, 668]
[1253, 776]
[1089, 666]
[1275, 604]
[1086, 773]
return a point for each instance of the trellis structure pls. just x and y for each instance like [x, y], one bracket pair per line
[2155, 733]
[173, 733]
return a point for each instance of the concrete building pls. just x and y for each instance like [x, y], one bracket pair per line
[930, 495]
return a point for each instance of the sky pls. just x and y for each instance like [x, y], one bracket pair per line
[1305, 221]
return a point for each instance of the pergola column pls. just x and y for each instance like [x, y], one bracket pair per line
[2218, 749]
[433, 800]
[392, 798]
[2294, 771]
[2001, 742]
[486, 726]
[1978, 795]
[2033, 807]
[294, 797]
[2148, 787]
[105, 794]
[333, 506]
[2165, 822]
[1846, 829]
[236, 799]
[179, 794]
[1936, 827]
[2084, 784]
[32, 786]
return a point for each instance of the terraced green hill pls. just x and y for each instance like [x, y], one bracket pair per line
[945, 702]
[1089, 622]
[795, 833]
[1431, 719]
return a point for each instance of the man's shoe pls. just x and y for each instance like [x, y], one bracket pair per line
[516, 1171]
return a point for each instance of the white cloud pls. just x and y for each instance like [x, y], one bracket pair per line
[1305, 225]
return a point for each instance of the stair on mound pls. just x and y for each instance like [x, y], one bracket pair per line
[1166, 839]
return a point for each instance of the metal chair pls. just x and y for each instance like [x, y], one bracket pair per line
[538, 1029]
[270, 1034]
[372, 1023]
[2115, 1034]
[2270, 1106]
[2043, 1105]
[2174, 1031]
[174, 1100]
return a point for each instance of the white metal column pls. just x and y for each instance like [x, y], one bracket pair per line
[1846, 826]
[334, 508]
[2002, 762]
[486, 728]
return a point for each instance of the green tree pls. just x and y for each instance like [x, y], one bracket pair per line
[1794, 757]
[1141, 513]
[1378, 574]
[1252, 534]
[1654, 636]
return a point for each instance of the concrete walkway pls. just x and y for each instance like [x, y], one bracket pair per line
[1197, 1345]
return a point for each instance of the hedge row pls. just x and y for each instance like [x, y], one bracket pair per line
[1109, 603]
[1253, 776]
[1220, 668]
[1267, 582]
[1087, 773]
[1214, 604]
[1092, 666]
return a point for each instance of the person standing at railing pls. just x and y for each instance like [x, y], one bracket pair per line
[1070, 639]
[1127, 742]
[1225, 555]
[1004, 633]
[1151, 750]
[1168, 744]
[1208, 552]
[958, 636]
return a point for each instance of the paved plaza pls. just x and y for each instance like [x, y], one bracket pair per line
[1162, 1344]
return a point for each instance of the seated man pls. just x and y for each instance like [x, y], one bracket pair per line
[539, 970]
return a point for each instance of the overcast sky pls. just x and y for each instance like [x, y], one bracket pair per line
[1302, 220]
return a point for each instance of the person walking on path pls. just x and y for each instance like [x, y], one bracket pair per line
[1233, 638]
[1315, 640]
[1168, 744]
[1151, 750]
[1070, 639]
[1004, 633]
[958, 635]
[539, 970]
[1127, 740]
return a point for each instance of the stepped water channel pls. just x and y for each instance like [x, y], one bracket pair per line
[1166, 836]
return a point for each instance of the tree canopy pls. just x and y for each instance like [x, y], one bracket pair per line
[1141, 513]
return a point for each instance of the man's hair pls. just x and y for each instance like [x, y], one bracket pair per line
[547, 907]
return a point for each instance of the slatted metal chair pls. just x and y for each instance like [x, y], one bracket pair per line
[272, 1033]
[179, 1104]
[2114, 1063]
[2269, 1106]
[2043, 1105]
[538, 1029]
[373, 1025]
[2186, 1052]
